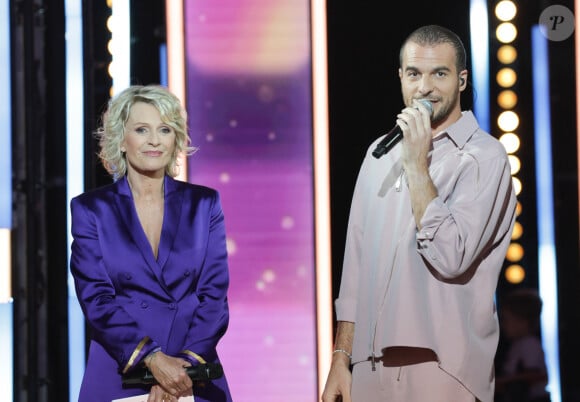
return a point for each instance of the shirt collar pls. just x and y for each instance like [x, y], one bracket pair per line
[461, 131]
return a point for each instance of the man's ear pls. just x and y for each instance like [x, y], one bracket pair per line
[462, 80]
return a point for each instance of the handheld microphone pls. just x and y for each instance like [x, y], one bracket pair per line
[201, 372]
[396, 134]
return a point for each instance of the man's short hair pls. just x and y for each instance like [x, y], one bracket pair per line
[431, 35]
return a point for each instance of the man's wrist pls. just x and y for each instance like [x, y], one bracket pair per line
[341, 355]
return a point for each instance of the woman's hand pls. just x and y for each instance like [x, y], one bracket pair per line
[173, 381]
[158, 394]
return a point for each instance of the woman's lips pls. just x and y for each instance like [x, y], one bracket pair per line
[153, 153]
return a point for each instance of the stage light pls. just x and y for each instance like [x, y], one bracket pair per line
[505, 10]
[5, 264]
[507, 99]
[518, 231]
[515, 164]
[510, 141]
[515, 274]
[479, 35]
[517, 185]
[121, 55]
[547, 264]
[508, 120]
[322, 189]
[5, 164]
[506, 32]
[111, 69]
[75, 124]
[515, 252]
[506, 77]
[507, 54]
[109, 23]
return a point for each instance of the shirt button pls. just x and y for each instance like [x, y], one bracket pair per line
[172, 306]
[144, 305]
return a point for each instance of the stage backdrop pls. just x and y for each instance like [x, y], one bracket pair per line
[248, 72]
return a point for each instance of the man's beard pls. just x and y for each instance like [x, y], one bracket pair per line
[444, 112]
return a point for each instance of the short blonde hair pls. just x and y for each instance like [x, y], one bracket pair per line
[112, 130]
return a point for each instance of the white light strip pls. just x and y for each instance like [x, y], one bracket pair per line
[7, 345]
[176, 62]
[5, 265]
[121, 37]
[6, 306]
[478, 21]
[5, 153]
[545, 210]
[322, 191]
[74, 177]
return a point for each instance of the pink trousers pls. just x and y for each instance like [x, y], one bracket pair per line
[413, 383]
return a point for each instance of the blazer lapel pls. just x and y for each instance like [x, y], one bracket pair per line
[171, 219]
[125, 205]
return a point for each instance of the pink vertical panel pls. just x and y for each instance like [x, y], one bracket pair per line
[249, 94]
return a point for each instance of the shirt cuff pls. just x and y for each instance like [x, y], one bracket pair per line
[435, 214]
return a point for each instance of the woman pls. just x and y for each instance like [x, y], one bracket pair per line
[149, 257]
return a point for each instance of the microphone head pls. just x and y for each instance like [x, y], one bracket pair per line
[427, 105]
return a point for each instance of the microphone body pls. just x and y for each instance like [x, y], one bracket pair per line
[201, 372]
[395, 135]
[391, 139]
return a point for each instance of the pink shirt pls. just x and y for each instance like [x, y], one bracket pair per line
[433, 288]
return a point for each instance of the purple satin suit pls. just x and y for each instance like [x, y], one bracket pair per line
[135, 303]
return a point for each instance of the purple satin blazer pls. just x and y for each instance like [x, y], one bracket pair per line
[135, 303]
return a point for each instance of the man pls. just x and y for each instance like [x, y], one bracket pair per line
[429, 227]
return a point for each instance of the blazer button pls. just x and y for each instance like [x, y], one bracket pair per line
[144, 305]
[172, 306]
[186, 273]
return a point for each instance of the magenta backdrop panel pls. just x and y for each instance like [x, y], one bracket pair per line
[249, 91]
